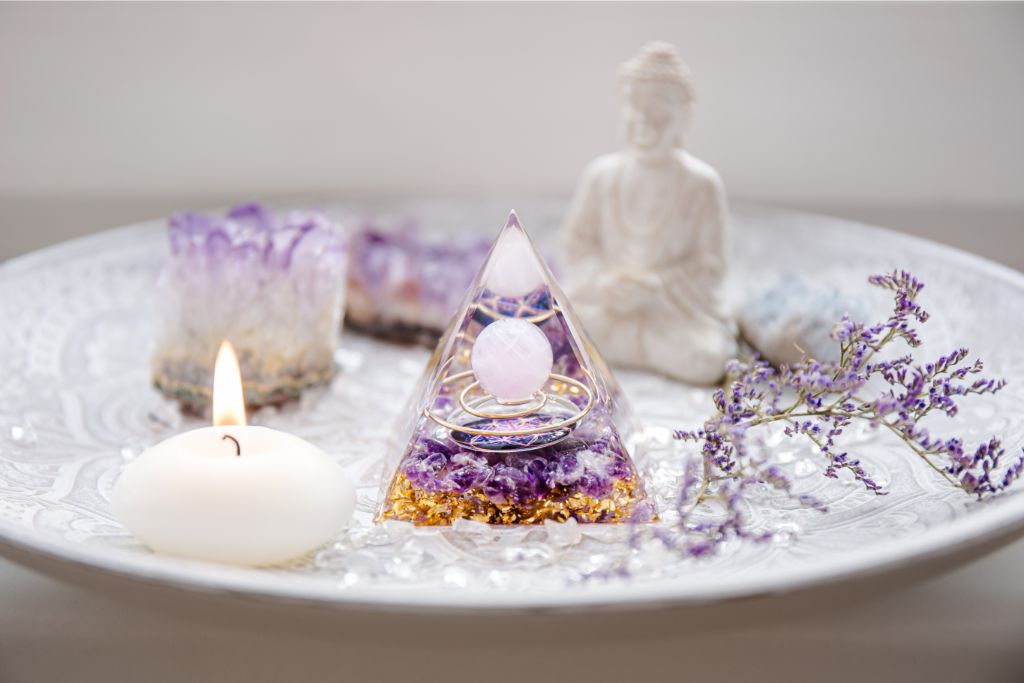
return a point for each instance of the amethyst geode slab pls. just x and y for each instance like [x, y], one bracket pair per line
[405, 285]
[272, 284]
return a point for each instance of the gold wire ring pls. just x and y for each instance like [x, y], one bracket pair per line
[567, 423]
[457, 376]
[539, 398]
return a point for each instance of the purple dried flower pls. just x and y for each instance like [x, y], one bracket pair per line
[817, 401]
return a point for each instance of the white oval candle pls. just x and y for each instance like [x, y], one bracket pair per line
[233, 493]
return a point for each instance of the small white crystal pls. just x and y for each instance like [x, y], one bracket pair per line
[378, 535]
[456, 576]
[397, 530]
[565, 533]
[607, 533]
[362, 563]
[23, 434]
[352, 539]
[400, 569]
[784, 455]
[527, 555]
[805, 467]
[471, 527]
[498, 578]
[784, 534]
[133, 448]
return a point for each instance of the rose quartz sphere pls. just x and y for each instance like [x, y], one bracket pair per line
[512, 359]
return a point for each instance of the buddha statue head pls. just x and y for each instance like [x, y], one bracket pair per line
[657, 99]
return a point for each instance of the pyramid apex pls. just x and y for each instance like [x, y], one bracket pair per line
[514, 268]
[513, 220]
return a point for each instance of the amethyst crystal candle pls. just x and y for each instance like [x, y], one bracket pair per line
[517, 420]
[274, 285]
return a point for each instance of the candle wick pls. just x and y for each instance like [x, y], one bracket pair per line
[238, 446]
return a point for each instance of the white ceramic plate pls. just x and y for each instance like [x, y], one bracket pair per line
[75, 404]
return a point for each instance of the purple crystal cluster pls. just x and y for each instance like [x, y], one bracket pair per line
[249, 236]
[404, 285]
[272, 284]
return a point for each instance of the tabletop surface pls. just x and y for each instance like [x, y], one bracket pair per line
[966, 626]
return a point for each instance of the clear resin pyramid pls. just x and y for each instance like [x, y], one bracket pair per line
[517, 419]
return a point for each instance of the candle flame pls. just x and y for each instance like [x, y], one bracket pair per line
[228, 398]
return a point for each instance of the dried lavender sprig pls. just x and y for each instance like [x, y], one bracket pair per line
[818, 401]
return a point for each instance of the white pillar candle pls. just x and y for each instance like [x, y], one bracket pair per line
[233, 493]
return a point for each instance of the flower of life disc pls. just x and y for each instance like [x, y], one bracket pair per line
[494, 307]
[517, 442]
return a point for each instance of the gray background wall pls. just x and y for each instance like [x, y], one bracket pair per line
[903, 114]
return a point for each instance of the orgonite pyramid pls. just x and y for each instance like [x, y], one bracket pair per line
[517, 419]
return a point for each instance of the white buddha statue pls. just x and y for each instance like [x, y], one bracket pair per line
[647, 235]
